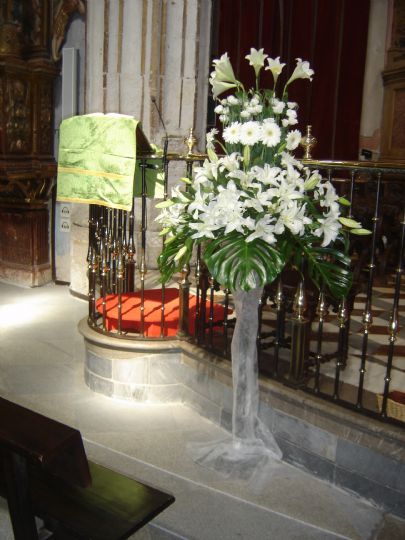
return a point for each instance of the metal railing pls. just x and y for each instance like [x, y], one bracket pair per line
[351, 352]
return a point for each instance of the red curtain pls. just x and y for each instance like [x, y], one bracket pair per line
[330, 34]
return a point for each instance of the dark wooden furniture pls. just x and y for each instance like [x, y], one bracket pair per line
[27, 163]
[45, 473]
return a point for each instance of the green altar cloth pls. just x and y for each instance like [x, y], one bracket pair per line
[98, 164]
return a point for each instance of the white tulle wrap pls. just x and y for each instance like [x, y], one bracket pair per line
[252, 446]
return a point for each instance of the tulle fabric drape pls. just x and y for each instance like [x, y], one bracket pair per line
[252, 447]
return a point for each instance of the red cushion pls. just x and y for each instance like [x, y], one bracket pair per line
[131, 313]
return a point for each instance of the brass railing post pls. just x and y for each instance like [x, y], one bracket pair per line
[184, 290]
[299, 338]
[93, 267]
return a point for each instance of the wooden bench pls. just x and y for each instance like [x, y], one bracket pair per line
[44, 472]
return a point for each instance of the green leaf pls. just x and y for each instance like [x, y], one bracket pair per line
[235, 263]
[328, 268]
[171, 260]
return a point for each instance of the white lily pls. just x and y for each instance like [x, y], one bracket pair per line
[219, 86]
[230, 162]
[264, 229]
[267, 174]
[275, 66]
[223, 70]
[256, 59]
[301, 71]
[329, 228]
[294, 218]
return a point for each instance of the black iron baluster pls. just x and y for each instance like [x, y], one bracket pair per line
[165, 187]
[352, 179]
[299, 337]
[104, 281]
[280, 321]
[90, 222]
[142, 266]
[131, 251]
[322, 311]
[340, 360]
[225, 323]
[120, 281]
[211, 282]
[393, 324]
[262, 301]
[198, 290]
[203, 305]
[367, 314]
[184, 298]
[92, 287]
[114, 251]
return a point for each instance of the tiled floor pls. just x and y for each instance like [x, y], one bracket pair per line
[41, 366]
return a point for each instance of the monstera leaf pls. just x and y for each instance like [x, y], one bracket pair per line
[237, 264]
[329, 268]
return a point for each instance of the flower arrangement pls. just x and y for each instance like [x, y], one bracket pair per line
[252, 205]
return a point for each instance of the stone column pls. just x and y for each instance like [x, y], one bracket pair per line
[142, 55]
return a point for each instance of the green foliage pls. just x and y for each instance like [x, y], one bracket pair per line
[329, 268]
[169, 261]
[238, 264]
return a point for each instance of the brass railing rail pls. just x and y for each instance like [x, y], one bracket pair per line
[349, 352]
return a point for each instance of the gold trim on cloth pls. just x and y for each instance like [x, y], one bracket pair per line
[77, 170]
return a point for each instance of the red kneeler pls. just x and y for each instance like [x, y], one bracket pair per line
[131, 313]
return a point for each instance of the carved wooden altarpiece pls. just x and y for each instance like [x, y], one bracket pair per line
[393, 126]
[27, 164]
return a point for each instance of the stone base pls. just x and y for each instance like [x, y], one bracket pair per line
[26, 277]
[346, 449]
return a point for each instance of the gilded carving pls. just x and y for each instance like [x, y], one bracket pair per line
[17, 113]
[10, 43]
[35, 34]
[31, 190]
[45, 119]
[62, 14]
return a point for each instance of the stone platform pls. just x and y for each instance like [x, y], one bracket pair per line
[346, 449]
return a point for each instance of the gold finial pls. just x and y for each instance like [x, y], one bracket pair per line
[308, 142]
[190, 142]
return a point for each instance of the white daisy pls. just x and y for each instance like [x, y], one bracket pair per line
[231, 133]
[271, 133]
[293, 139]
[250, 133]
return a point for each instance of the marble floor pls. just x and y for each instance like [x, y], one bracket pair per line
[41, 367]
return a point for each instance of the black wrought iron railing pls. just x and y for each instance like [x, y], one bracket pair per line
[351, 351]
